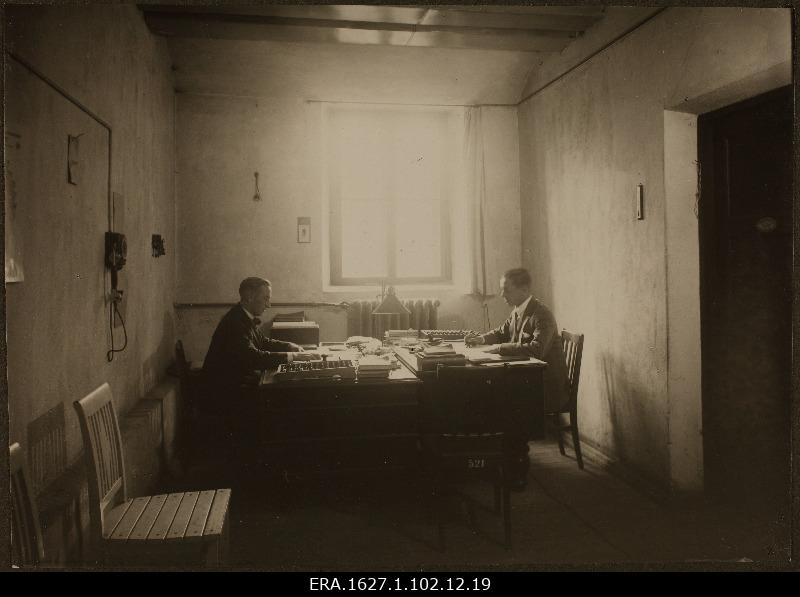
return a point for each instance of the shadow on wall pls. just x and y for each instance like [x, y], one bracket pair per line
[631, 434]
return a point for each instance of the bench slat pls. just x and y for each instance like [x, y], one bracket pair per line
[129, 519]
[165, 517]
[219, 510]
[177, 529]
[142, 529]
[113, 516]
[198, 521]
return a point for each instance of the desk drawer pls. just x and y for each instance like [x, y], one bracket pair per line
[342, 454]
[338, 420]
[341, 397]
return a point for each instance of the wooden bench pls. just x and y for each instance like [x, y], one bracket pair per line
[27, 546]
[173, 529]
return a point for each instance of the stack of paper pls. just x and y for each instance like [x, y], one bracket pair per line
[438, 350]
[371, 366]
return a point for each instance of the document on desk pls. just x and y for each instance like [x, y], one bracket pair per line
[480, 355]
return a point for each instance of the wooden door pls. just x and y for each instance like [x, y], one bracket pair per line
[745, 215]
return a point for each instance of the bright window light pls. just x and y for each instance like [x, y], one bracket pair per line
[389, 179]
[363, 239]
[418, 230]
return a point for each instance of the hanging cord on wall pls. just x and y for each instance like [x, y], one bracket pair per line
[114, 310]
[486, 315]
[61, 91]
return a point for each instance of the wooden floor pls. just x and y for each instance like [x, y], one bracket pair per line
[565, 518]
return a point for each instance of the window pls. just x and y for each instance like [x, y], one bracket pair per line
[390, 173]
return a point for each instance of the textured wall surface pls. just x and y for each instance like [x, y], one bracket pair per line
[585, 143]
[58, 319]
[224, 236]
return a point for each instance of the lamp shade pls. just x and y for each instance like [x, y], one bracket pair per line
[391, 305]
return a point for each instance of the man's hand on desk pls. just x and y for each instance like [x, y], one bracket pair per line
[473, 339]
[305, 356]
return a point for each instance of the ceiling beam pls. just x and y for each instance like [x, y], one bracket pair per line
[260, 27]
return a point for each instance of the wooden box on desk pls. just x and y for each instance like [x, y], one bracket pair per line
[299, 332]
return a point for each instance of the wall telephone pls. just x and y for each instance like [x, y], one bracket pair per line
[116, 253]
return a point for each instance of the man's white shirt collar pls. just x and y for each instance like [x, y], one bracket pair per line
[520, 311]
[250, 315]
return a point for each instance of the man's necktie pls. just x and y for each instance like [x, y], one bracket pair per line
[514, 325]
[256, 321]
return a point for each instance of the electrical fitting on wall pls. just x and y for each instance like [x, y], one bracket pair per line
[640, 202]
[304, 230]
[73, 159]
[157, 243]
[257, 195]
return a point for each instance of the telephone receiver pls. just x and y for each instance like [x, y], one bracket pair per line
[116, 253]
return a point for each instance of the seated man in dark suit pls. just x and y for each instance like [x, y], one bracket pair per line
[238, 348]
[530, 330]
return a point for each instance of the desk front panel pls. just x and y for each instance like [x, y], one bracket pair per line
[344, 410]
[334, 425]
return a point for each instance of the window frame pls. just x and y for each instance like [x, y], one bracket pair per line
[393, 201]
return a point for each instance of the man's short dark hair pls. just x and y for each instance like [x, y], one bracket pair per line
[251, 285]
[519, 277]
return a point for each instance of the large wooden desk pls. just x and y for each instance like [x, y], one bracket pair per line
[527, 405]
[322, 426]
[328, 426]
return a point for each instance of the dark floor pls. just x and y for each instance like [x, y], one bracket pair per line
[566, 516]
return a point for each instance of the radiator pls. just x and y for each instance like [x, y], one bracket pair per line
[361, 321]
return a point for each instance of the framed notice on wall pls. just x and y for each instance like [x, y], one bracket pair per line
[13, 241]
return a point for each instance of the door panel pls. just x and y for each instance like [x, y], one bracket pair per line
[746, 243]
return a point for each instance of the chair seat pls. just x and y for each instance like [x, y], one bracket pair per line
[168, 518]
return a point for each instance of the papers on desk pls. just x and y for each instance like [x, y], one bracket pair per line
[437, 350]
[373, 362]
[373, 366]
[479, 355]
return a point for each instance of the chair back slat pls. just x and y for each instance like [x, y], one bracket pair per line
[26, 534]
[102, 444]
[46, 448]
[573, 352]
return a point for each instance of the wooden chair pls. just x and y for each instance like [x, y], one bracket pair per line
[573, 351]
[26, 534]
[167, 529]
[468, 416]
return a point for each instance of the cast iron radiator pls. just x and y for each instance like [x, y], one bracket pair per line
[361, 321]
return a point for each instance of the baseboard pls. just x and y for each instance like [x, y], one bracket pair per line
[592, 452]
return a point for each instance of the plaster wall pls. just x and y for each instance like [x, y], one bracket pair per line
[224, 236]
[58, 317]
[683, 301]
[586, 142]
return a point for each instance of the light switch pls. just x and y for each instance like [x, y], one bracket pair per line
[640, 202]
[304, 230]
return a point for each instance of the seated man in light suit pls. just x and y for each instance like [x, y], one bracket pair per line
[530, 330]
